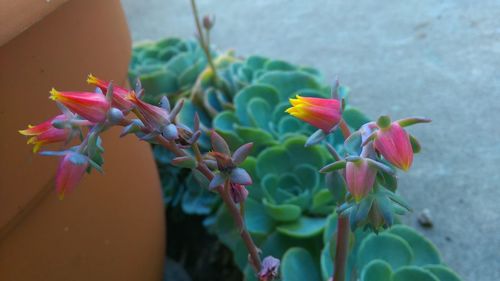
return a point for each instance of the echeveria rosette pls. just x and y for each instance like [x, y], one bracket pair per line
[167, 67]
[394, 254]
[260, 116]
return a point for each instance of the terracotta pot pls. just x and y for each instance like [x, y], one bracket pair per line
[112, 226]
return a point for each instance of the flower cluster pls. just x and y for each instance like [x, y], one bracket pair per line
[85, 115]
[372, 150]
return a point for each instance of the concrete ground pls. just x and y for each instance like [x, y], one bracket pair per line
[434, 58]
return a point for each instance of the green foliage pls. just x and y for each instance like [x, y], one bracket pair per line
[290, 208]
[400, 253]
[181, 188]
[166, 67]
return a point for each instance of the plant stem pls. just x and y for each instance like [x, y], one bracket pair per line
[343, 231]
[253, 251]
[341, 249]
[204, 43]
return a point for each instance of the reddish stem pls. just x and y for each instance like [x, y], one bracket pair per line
[341, 249]
[343, 231]
[253, 251]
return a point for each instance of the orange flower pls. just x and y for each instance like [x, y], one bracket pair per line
[322, 113]
[120, 100]
[90, 106]
[44, 133]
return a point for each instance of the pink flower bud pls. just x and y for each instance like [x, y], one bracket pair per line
[120, 100]
[323, 114]
[360, 177]
[91, 106]
[238, 192]
[71, 170]
[154, 117]
[270, 269]
[45, 133]
[394, 144]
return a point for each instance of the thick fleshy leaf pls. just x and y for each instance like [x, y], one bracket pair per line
[388, 247]
[298, 265]
[376, 270]
[413, 273]
[412, 121]
[219, 144]
[423, 250]
[442, 272]
[240, 176]
[242, 98]
[242, 153]
[335, 182]
[338, 165]
[184, 162]
[304, 227]
[216, 181]
[415, 144]
[283, 212]
[257, 220]
[289, 83]
[315, 138]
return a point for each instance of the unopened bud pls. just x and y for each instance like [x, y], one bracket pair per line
[115, 115]
[170, 132]
[270, 269]
[208, 22]
[59, 124]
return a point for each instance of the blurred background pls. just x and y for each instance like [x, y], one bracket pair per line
[438, 59]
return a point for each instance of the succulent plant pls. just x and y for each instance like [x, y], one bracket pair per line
[166, 67]
[290, 208]
[259, 108]
[181, 188]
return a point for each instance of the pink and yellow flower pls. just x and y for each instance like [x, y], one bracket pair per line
[360, 177]
[120, 94]
[154, 117]
[90, 106]
[44, 133]
[393, 142]
[322, 113]
[71, 169]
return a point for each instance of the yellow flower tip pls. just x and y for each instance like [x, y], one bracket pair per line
[24, 132]
[54, 94]
[36, 147]
[91, 79]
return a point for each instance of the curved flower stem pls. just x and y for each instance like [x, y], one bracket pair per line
[341, 248]
[253, 251]
[205, 44]
[343, 231]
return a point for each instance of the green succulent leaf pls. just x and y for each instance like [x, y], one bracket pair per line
[385, 246]
[377, 270]
[442, 272]
[424, 251]
[257, 219]
[283, 212]
[413, 273]
[289, 83]
[303, 227]
[298, 265]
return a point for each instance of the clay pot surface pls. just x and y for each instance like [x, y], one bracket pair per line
[112, 226]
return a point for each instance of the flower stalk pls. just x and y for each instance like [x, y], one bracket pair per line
[343, 231]
[204, 41]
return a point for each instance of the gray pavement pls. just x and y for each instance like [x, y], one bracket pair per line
[435, 58]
